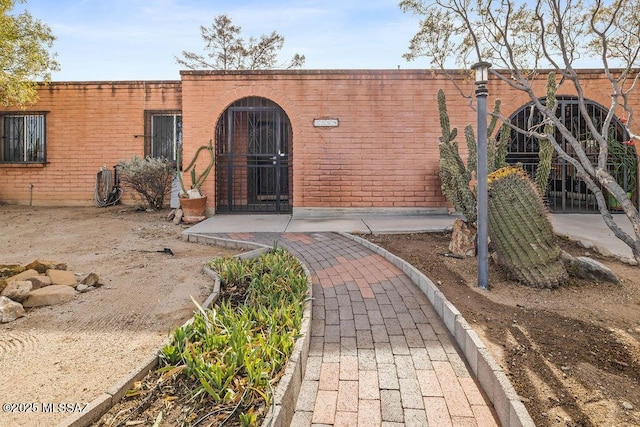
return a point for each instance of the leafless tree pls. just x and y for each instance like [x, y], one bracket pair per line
[523, 39]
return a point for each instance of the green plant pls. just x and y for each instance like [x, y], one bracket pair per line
[196, 180]
[455, 175]
[623, 164]
[235, 353]
[520, 230]
[150, 179]
[545, 154]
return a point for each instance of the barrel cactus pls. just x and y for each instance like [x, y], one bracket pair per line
[520, 231]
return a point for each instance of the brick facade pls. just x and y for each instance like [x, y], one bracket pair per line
[383, 154]
[87, 125]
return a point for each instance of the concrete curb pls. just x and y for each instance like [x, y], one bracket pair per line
[288, 389]
[493, 380]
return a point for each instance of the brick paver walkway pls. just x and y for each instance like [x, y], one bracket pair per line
[380, 355]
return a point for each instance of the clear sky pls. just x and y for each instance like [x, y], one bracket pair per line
[138, 39]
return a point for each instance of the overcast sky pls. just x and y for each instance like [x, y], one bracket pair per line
[138, 39]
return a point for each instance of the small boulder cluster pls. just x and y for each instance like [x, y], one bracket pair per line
[37, 284]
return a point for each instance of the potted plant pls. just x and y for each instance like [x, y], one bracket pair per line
[192, 201]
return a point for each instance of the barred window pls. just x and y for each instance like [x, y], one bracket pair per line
[23, 138]
[163, 134]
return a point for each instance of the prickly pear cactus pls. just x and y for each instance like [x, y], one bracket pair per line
[521, 232]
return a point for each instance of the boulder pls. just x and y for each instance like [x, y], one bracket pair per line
[463, 239]
[41, 266]
[50, 295]
[40, 281]
[588, 268]
[10, 310]
[17, 290]
[62, 277]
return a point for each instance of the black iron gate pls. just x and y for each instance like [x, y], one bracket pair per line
[566, 192]
[253, 168]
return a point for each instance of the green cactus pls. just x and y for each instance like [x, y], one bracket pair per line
[196, 181]
[455, 176]
[520, 231]
[546, 150]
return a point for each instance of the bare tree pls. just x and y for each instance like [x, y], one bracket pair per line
[522, 39]
[226, 50]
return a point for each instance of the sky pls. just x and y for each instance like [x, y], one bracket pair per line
[139, 39]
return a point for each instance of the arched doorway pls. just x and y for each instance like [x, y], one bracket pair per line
[253, 158]
[565, 191]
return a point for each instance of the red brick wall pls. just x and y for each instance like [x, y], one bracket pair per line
[384, 153]
[88, 125]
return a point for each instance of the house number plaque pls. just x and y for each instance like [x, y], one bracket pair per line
[325, 123]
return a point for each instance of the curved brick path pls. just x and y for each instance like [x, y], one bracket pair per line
[379, 353]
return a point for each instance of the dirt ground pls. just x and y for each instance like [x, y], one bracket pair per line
[71, 353]
[573, 354]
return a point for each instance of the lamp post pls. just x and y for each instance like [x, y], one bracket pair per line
[482, 76]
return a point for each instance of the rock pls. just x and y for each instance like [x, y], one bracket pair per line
[62, 277]
[40, 282]
[8, 270]
[10, 310]
[91, 280]
[50, 295]
[41, 266]
[18, 290]
[588, 268]
[628, 406]
[25, 275]
[463, 239]
[178, 216]
[84, 288]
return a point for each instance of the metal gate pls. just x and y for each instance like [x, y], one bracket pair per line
[253, 151]
[566, 192]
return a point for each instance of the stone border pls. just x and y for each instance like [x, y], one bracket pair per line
[285, 396]
[493, 380]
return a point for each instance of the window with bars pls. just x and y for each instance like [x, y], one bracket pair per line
[23, 138]
[163, 134]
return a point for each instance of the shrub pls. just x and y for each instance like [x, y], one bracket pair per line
[149, 178]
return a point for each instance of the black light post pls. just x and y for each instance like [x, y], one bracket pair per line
[482, 76]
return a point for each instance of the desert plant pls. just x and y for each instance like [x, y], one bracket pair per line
[545, 154]
[236, 353]
[455, 175]
[196, 180]
[149, 178]
[520, 230]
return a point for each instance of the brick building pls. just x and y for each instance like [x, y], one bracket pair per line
[285, 140]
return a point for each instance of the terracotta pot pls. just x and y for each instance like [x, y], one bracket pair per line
[194, 207]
